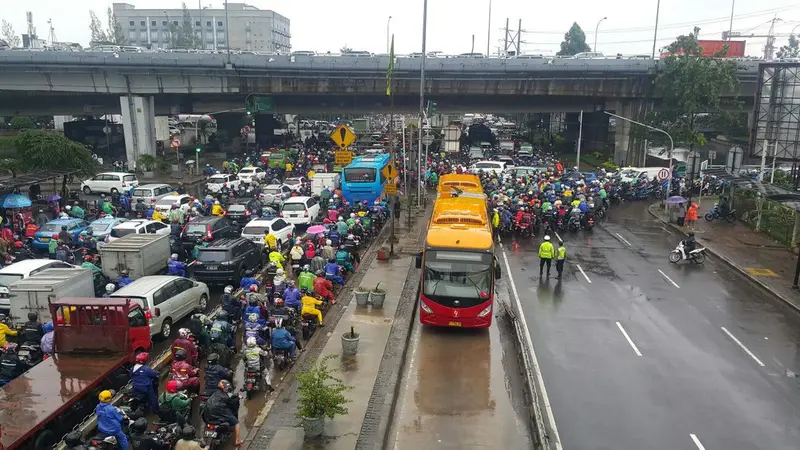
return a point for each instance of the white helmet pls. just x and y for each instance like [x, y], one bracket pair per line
[173, 256]
[229, 289]
[352, 214]
[340, 218]
[63, 215]
[68, 208]
[279, 272]
[251, 341]
[110, 288]
[546, 237]
[184, 333]
[328, 242]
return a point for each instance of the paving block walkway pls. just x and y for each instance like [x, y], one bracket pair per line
[756, 256]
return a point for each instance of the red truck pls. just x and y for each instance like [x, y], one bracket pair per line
[95, 342]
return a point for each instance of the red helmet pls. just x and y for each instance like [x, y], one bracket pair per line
[18, 244]
[172, 386]
[253, 288]
[87, 258]
[142, 357]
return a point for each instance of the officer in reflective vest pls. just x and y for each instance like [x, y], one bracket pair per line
[561, 255]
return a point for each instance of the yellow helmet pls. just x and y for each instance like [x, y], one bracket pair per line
[105, 396]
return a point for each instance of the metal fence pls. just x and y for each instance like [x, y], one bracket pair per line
[777, 221]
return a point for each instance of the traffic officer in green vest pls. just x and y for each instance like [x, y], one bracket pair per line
[561, 255]
[546, 254]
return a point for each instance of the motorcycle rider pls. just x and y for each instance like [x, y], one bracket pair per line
[109, 419]
[276, 257]
[278, 281]
[187, 440]
[110, 288]
[333, 272]
[5, 330]
[689, 244]
[253, 307]
[230, 303]
[32, 330]
[46, 345]
[214, 373]
[197, 326]
[253, 355]
[310, 307]
[89, 264]
[185, 374]
[182, 342]
[174, 406]
[323, 287]
[282, 339]
[344, 261]
[222, 331]
[10, 365]
[306, 279]
[292, 296]
[124, 278]
[248, 280]
[175, 267]
[140, 439]
[144, 381]
[219, 411]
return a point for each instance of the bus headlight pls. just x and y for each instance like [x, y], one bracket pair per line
[486, 311]
[425, 307]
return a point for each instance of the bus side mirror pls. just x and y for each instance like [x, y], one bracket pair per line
[418, 261]
[497, 272]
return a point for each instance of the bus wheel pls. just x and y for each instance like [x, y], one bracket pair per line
[45, 440]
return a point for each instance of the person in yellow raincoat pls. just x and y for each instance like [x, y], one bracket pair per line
[157, 216]
[276, 257]
[217, 209]
[270, 241]
[310, 306]
[6, 331]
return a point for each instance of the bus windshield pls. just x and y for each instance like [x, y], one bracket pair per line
[457, 276]
[359, 175]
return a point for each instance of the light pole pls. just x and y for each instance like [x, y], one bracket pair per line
[488, 30]
[730, 25]
[388, 24]
[671, 146]
[422, 99]
[594, 49]
[655, 33]
[227, 33]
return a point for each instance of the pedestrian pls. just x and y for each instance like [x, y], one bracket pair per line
[561, 255]
[546, 253]
[681, 215]
[691, 214]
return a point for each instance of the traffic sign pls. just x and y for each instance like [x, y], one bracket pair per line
[390, 171]
[663, 174]
[176, 143]
[342, 157]
[712, 155]
[107, 129]
[343, 136]
[427, 139]
[390, 188]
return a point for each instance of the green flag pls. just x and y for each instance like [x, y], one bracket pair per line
[390, 70]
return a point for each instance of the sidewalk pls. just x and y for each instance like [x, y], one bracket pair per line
[384, 336]
[757, 257]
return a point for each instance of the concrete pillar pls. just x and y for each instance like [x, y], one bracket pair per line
[622, 134]
[139, 126]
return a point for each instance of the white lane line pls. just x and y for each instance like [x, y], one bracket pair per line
[664, 229]
[669, 279]
[584, 273]
[739, 343]
[630, 341]
[697, 442]
[624, 240]
[545, 398]
[559, 237]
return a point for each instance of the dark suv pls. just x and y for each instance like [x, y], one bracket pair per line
[227, 259]
[208, 228]
[243, 212]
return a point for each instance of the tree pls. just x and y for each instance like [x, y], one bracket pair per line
[691, 87]
[574, 41]
[114, 31]
[345, 49]
[44, 150]
[98, 36]
[787, 51]
[20, 123]
[9, 35]
[183, 34]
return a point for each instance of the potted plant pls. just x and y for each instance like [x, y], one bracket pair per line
[321, 396]
[146, 164]
[377, 296]
[350, 342]
[362, 296]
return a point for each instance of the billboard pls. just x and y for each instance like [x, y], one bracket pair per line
[711, 47]
[776, 123]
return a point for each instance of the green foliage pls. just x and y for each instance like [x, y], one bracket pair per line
[9, 35]
[609, 165]
[45, 150]
[147, 163]
[114, 33]
[183, 35]
[574, 41]
[10, 165]
[20, 123]
[792, 50]
[321, 394]
[345, 49]
[691, 87]
[8, 146]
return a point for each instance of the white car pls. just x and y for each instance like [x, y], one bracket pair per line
[275, 194]
[109, 182]
[164, 204]
[295, 183]
[495, 167]
[256, 229]
[215, 183]
[252, 174]
[300, 210]
[137, 226]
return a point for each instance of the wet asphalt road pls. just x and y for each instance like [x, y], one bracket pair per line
[637, 353]
[461, 389]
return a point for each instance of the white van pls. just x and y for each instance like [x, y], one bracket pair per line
[20, 271]
[631, 174]
[152, 192]
[325, 179]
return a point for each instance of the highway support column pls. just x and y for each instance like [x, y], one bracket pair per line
[139, 126]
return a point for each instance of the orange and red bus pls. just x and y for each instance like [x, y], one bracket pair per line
[458, 263]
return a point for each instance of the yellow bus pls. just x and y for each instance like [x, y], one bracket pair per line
[458, 263]
[455, 183]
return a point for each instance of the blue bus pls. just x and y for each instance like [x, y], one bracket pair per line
[362, 178]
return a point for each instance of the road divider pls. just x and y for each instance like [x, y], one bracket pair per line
[696, 441]
[583, 273]
[668, 278]
[623, 240]
[739, 343]
[628, 338]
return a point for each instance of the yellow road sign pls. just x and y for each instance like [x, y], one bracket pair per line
[343, 136]
[390, 171]
[390, 188]
[342, 157]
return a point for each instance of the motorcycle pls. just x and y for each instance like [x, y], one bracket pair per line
[697, 255]
[165, 435]
[281, 358]
[715, 213]
[216, 435]
[524, 229]
[308, 325]
[30, 354]
[574, 224]
[252, 382]
[589, 222]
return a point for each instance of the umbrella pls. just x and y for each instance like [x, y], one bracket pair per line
[53, 198]
[316, 229]
[16, 201]
[675, 200]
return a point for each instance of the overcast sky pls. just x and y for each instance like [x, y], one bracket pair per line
[324, 25]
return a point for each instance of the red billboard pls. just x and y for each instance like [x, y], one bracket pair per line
[711, 47]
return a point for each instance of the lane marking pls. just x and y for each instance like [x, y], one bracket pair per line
[584, 273]
[528, 340]
[697, 442]
[630, 341]
[669, 279]
[559, 237]
[665, 229]
[739, 343]
[624, 240]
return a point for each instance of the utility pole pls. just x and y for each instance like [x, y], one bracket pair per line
[769, 49]
[512, 39]
[580, 137]
[422, 98]
[488, 30]
[505, 39]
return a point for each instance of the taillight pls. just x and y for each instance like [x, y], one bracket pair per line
[280, 214]
[208, 231]
[148, 315]
[158, 312]
[305, 214]
[224, 184]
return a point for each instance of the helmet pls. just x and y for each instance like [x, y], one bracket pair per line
[251, 341]
[139, 425]
[225, 386]
[33, 316]
[188, 432]
[213, 358]
[68, 208]
[253, 288]
[248, 273]
[18, 244]
[328, 242]
[352, 215]
[172, 386]
[278, 301]
[547, 238]
[48, 327]
[279, 322]
[63, 228]
[73, 439]
[222, 315]
[141, 358]
[252, 317]
[184, 333]
[180, 355]
[105, 396]
[279, 272]
[87, 258]
[340, 218]
[690, 234]
[110, 287]
[11, 347]
[306, 268]
[228, 289]
[320, 273]
[252, 301]
[173, 256]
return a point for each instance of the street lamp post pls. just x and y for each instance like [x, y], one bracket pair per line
[227, 33]
[422, 98]
[388, 24]
[655, 33]
[594, 49]
[671, 146]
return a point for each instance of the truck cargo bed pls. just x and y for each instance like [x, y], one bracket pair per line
[48, 388]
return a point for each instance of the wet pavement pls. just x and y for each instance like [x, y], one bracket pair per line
[639, 353]
[461, 389]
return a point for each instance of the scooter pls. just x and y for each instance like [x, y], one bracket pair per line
[30, 354]
[697, 255]
[715, 213]
[252, 381]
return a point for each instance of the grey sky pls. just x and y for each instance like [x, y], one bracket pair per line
[324, 25]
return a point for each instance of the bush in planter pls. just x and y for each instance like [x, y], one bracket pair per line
[146, 163]
[321, 394]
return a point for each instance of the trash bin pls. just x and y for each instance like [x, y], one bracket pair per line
[376, 297]
[362, 297]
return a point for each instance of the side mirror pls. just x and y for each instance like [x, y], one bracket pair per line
[418, 260]
[497, 272]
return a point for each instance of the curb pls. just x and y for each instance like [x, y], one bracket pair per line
[758, 283]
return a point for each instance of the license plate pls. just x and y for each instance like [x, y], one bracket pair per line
[211, 267]
[44, 239]
[210, 434]
[23, 353]
[454, 324]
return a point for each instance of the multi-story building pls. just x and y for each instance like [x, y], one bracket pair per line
[245, 27]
